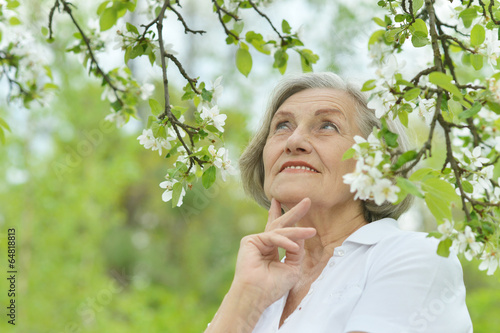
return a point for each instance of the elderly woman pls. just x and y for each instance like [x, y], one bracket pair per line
[348, 268]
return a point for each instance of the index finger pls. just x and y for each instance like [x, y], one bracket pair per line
[290, 218]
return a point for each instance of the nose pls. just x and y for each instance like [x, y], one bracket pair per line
[298, 142]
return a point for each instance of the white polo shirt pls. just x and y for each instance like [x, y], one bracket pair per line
[380, 280]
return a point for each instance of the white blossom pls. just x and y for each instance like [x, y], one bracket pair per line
[211, 115]
[466, 243]
[217, 89]
[426, 109]
[168, 185]
[116, 117]
[148, 140]
[475, 158]
[384, 191]
[489, 261]
[222, 161]
[147, 90]
[494, 87]
[492, 46]
[381, 102]
[447, 229]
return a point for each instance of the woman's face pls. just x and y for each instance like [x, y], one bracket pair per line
[309, 134]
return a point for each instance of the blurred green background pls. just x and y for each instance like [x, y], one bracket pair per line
[97, 249]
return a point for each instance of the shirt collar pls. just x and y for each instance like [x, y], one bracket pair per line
[373, 232]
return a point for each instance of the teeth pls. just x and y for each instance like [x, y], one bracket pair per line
[300, 167]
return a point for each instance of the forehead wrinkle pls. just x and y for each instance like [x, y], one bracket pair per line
[330, 111]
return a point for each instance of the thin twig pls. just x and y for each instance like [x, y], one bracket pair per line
[93, 60]
[490, 9]
[192, 82]
[453, 164]
[186, 28]
[267, 19]
[456, 40]
[424, 72]
[228, 32]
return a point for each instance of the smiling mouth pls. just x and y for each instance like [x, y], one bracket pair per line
[299, 168]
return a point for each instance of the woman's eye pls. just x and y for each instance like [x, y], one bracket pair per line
[329, 125]
[281, 125]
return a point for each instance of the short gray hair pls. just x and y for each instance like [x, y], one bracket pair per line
[251, 161]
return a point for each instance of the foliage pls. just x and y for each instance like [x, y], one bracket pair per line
[454, 35]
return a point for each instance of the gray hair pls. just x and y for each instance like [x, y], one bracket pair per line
[252, 164]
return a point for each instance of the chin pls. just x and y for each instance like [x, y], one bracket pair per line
[291, 195]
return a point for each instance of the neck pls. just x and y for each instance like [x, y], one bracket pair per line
[333, 226]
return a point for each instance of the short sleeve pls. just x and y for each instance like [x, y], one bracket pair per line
[409, 288]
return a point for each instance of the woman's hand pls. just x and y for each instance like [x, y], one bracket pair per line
[261, 278]
[258, 267]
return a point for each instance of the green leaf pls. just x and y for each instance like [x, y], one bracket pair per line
[14, 21]
[101, 7]
[369, 85]
[403, 118]
[468, 15]
[178, 111]
[208, 177]
[285, 27]
[444, 247]
[2, 136]
[4, 124]
[454, 107]
[444, 81]
[49, 85]
[156, 108]
[108, 18]
[379, 22]
[132, 28]
[439, 195]
[176, 193]
[243, 60]
[420, 174]
[257, 42]
[420, 28]
[151, 120]
[476, 61]
[419, 41]
[307, 59]
[280, 60]
[390, 35]
[206, 95]
[467, 186]
[412, 94]
[409, 187]
[12, 4]
[477, 35]
[404, 158]
[349, 154]
[238, 27]
[417, 4]
[470, 112]
[376, 37]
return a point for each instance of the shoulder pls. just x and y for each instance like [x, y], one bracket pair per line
[413, 255]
